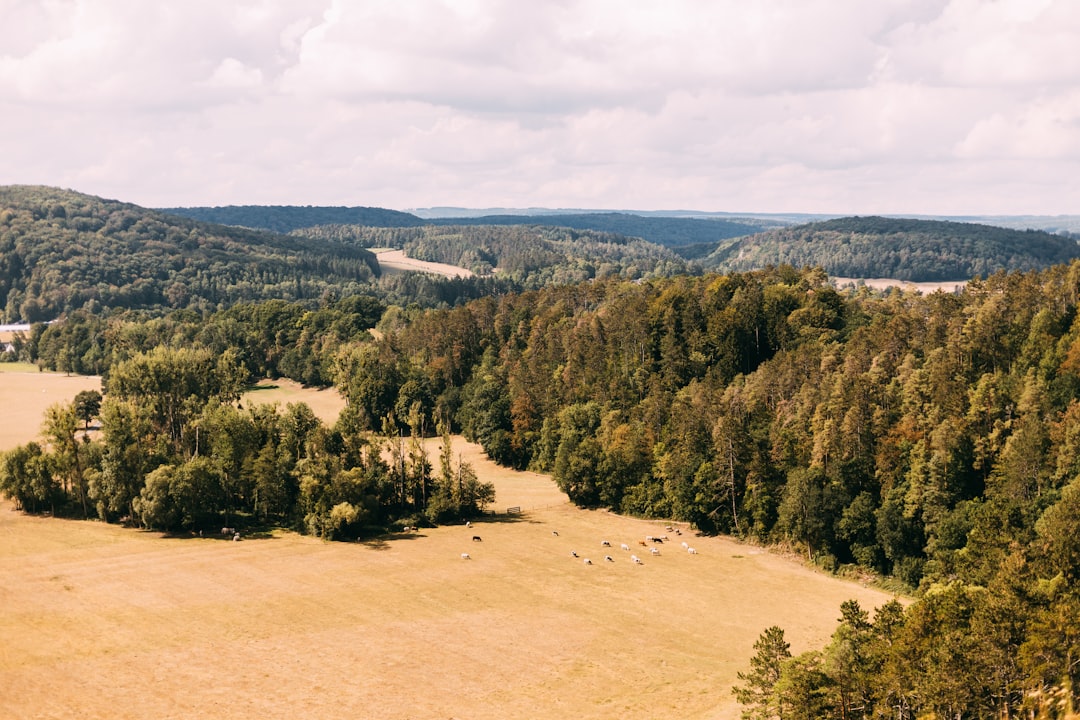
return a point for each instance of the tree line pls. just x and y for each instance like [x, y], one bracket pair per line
[520, 256]
[177, 452]
[904, 249]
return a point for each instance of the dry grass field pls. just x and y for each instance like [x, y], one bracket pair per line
[25, 394]
[105, 622]
[326, 403]
[397, 261]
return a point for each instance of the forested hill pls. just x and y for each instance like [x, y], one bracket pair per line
[62, 250]
[904, 249]
[286, 218]
[667, 231]
[528, 256]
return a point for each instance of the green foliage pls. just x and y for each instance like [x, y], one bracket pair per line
[26, 478]
[61, 252]
[758, 689]
[666, 231]
[286, 218]
[520, 256]
[87, 406]
[904, 249]
[176, 384]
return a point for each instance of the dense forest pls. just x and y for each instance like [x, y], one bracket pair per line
[524, 256]
[286, 218]
[61, 251]
[903, 249]
[666, 231]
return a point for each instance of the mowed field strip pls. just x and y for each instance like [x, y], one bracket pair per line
[100, 621]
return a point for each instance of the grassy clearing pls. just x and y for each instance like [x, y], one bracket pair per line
[326, 403]
[18, 367]
[106, 622]
[25, 394]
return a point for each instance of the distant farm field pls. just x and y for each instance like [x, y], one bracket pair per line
[25, 394]
[104, 622]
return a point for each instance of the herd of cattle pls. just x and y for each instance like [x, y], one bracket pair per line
[651, 542]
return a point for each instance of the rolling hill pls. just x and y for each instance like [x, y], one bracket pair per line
[666, 231]
[286, 218]
[61, 250]
[669, 232]
[904, 249]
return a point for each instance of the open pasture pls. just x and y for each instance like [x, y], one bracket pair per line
[25, 394]
[100, 621]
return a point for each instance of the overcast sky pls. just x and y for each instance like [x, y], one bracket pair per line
[833, 106]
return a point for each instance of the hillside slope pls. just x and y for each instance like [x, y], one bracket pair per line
[61, 250]
[530, 256]
[286, 218]
[667, 231]
[914, 250]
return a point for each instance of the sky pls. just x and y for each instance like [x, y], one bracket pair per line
[944, 107]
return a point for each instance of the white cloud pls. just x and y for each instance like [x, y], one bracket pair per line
[837, 105]
[233, 74]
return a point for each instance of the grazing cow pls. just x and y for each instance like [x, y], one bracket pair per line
[654, 551]
[685, 544]
[609, 558]
[236, 537]
[573, 553]
[465, 556]
[636, 559]
[605, 543]
[228, 531]
[669, 528]
[624, 546]
[587, 561]
[641, 543]
[678, 531]
[692, 551]
[476, 538]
